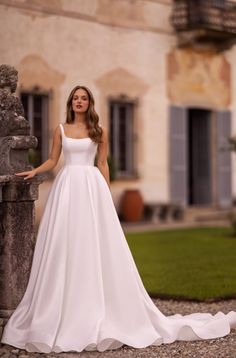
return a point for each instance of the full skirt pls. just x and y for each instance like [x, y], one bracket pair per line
[84, 290]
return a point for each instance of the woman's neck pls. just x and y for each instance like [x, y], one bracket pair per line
[79, 118]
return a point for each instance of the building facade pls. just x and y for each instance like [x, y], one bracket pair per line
[169, 102]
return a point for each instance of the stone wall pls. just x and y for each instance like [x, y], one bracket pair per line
[17, 211]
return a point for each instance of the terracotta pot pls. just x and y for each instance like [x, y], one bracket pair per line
[132, 205]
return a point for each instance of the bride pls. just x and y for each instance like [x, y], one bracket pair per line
[84, 290]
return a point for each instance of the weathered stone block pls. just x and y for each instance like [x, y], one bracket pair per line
[12, 121]
[14, 153]
[17, 212]
[17, 240]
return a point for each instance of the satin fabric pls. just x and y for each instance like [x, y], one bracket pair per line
[84, 290]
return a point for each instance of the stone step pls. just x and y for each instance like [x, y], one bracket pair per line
[206, 214]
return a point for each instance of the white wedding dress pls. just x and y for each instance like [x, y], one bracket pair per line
[84, 290]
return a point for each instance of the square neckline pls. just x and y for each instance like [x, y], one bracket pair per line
[63, 132]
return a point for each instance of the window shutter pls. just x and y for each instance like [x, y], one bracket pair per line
[178, 154]
[223, 123]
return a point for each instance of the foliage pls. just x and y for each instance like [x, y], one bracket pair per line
[232, 143]
[112, 168]
[34, 157]
[111, 165]
[232, 220]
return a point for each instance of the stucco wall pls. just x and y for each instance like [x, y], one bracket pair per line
[73, 42]
[113, 47]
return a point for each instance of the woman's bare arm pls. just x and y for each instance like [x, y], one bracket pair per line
[102, 156]
[51, 162]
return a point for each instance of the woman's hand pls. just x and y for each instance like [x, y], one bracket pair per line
[29, 174]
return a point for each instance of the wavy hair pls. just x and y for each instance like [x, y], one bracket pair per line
[92, 118]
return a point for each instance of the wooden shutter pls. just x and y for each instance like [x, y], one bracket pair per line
[178, 154]
[224, 183]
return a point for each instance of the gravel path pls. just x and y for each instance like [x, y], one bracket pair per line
[215, 348]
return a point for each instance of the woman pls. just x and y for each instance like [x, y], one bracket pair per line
[84, 290]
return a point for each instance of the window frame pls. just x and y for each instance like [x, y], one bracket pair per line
[44, 118]
[114, 129]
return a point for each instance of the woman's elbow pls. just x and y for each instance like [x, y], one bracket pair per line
[102, 163]
[53, 162]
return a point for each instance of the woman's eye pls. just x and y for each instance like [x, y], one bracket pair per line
[82, 98]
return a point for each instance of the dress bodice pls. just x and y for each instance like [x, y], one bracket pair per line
[78, 151]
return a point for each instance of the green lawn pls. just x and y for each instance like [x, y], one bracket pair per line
[197, 263]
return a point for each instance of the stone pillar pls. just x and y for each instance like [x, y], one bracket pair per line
[17, 196]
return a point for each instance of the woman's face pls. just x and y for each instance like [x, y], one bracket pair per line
[80, 101]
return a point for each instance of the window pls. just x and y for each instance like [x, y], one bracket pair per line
[121, 137]
[36, 112]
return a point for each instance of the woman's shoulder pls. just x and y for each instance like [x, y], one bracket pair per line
[103, 128]
[59, 129]
[65, 125]
[104, 132]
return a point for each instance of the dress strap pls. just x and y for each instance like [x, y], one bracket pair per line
[62, 130]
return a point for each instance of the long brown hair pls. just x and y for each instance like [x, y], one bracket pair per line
[92, 118]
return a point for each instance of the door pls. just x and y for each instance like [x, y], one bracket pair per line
[192, 148]
[199, 157]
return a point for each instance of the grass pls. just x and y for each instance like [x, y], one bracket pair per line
[198, 264]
